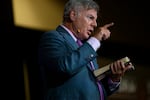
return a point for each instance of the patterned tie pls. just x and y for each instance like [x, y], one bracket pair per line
[92, 68]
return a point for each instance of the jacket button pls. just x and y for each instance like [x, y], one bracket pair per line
[92, 55]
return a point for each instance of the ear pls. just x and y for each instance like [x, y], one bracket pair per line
[72, 15]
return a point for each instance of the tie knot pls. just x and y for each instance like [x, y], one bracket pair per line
[79, 42]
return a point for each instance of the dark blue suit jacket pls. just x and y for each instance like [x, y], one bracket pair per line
[66, 68]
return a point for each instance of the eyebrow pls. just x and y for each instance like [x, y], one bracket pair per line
[90, 15]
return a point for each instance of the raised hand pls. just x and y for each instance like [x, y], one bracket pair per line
[103, 33]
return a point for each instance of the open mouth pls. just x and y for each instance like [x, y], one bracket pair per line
[89, 32]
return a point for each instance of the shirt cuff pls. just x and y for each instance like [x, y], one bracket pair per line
[113, 85]
[94, 43]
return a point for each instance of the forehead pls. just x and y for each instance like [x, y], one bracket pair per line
[90, 12]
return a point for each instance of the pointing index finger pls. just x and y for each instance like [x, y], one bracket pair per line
[108, 25]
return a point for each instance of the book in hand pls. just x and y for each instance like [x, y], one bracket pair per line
[102, 72]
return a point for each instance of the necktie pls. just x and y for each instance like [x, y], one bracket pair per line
[92, 68]
[79, 42]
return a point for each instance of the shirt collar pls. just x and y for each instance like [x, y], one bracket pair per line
[69, 32]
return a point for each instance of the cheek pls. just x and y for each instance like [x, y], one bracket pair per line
[84, 27]
[83, 24]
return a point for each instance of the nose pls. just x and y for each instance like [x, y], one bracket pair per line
[94, 23]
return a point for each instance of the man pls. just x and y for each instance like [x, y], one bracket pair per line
[68, 66]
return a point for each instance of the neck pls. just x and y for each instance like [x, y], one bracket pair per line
[72, 28]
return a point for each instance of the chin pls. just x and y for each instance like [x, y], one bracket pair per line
[87, 37]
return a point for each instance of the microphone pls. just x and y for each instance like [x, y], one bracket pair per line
[75, 29]
[78, 30]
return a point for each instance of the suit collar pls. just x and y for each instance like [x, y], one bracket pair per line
[72, 35]
[67, 36]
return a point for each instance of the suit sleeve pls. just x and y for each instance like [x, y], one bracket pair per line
[109, 86]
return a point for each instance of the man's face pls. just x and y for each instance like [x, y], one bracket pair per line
[85, 22]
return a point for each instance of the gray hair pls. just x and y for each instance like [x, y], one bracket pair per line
[78, 5]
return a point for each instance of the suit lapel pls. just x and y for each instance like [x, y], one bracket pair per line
[70, 41]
